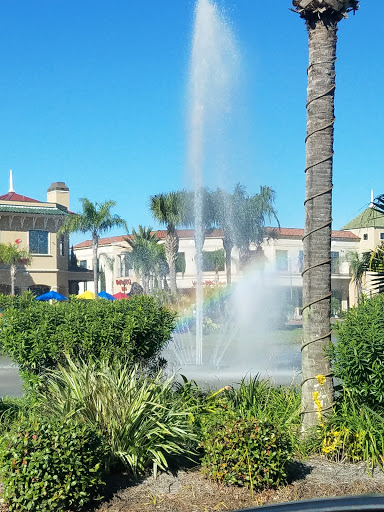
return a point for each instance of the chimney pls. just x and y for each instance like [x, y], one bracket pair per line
[58, 193]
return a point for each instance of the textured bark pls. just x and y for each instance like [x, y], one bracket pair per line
[171, 244]
[228, 246]
[95, 245]
[318, 216]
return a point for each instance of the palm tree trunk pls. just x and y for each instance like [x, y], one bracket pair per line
[95, 245]
[228, 246]
[13, 278]
[316, 398]
[171, 249]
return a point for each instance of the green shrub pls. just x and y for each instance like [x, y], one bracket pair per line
[37, 334]
[51, 465]
[144, 421]
[278, 405]
[247, 452]
[358, 354]
[353, 433]
[12, 409]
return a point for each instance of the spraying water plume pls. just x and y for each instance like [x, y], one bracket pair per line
[214, 61]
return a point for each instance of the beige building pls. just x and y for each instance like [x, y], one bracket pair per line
[283, 256]
[33, 225]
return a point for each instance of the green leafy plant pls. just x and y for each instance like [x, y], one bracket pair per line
[51, 465]
[143, 419]
[358, 354]
[277, 405]
[244, 451]
[36, 335]
[354, 433]
[12, 409]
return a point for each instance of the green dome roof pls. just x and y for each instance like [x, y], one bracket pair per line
[369, 218]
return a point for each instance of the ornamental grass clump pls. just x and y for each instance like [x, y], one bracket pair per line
[144, 421]
[51, 465]
[245, 452]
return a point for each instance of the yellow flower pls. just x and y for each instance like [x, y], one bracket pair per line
[320, 379]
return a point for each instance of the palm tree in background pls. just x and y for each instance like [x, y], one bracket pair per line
[144, 255]
[321, 18]
[249, 218]
[97, 219]
[223, 203]
[13, 256]
[169, 210]
[358, 266]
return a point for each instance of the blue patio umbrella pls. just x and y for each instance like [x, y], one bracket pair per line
[105, 295]
[51, 295]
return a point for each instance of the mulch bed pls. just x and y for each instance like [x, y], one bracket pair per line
[190, 491]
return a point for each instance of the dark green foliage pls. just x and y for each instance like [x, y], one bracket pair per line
[51, 465]
[37, 334]
[244, 451]
[12, 409]
[358, 354]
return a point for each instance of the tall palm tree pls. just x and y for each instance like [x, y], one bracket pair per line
[13, 255]
[97, 219]
[322, 18]
[169, 210]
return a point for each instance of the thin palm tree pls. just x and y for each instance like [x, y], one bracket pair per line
[223, 203]
[97, 219]
[321, 18]
[13, 256]
[358, 266]
[169, 210]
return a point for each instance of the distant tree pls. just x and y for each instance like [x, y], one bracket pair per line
[358, 266]
[169, 209]
[223, 204]
[144, 255]
[250, 214]
[97, 219]
[214, 260]
[13, 255]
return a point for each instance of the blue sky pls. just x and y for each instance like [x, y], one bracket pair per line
[93, 93]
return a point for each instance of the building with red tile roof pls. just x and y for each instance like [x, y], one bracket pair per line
[32, 225]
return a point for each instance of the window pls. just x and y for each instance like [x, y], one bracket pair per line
[213, 261]
[335, 260]
[365, 236]
[180, 262]
[282, 261]
[38, 242]
[83, 263]
[381, 236]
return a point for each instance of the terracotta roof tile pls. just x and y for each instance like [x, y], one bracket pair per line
[12, 196]
[217, 233]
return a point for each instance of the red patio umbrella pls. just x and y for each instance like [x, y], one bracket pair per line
[120, 295]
